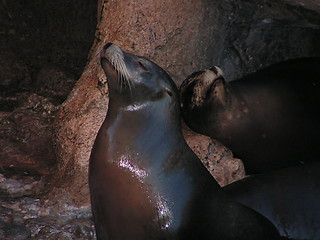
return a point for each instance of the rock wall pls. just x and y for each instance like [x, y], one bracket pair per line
[182, 37]
[259, 33]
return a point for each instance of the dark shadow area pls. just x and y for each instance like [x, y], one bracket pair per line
[257, 34]
[37, 35]
[43, 49]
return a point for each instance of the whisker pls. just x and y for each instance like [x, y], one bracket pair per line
[116, 58]
[123, 72]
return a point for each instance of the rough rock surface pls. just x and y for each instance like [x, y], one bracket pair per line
[26, 135]
[256, 34]
[24, 216]
[313, 5]
[217, 158]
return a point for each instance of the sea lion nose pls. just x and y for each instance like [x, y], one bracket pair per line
[107, 45]
[104, 49]
[110, 50]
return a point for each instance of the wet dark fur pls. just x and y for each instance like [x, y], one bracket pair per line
[270, 119]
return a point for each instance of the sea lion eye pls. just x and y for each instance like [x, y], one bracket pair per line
[168, 91]
[141, 65]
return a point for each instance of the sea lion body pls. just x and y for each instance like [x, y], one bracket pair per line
[288, 197]
[145, 182]
[269, 119]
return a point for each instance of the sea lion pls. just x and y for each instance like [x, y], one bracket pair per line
[269, 119]
[288, 197]
[145, 182]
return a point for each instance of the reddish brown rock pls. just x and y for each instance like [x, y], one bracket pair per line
[217, 158]
[54, 81]
[26, 136]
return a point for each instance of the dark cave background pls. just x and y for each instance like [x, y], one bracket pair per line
[39, 34]
[44, 48]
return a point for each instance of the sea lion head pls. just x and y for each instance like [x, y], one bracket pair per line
[204, 87]
[135, 80]
[203, 95]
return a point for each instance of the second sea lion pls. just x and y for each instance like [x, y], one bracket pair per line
[270, 119]
[289, 197]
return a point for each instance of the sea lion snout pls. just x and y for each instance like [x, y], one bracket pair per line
[110, 50]
[103, 50]
[112, 60]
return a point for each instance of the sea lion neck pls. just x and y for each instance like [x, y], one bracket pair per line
[142, 115]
